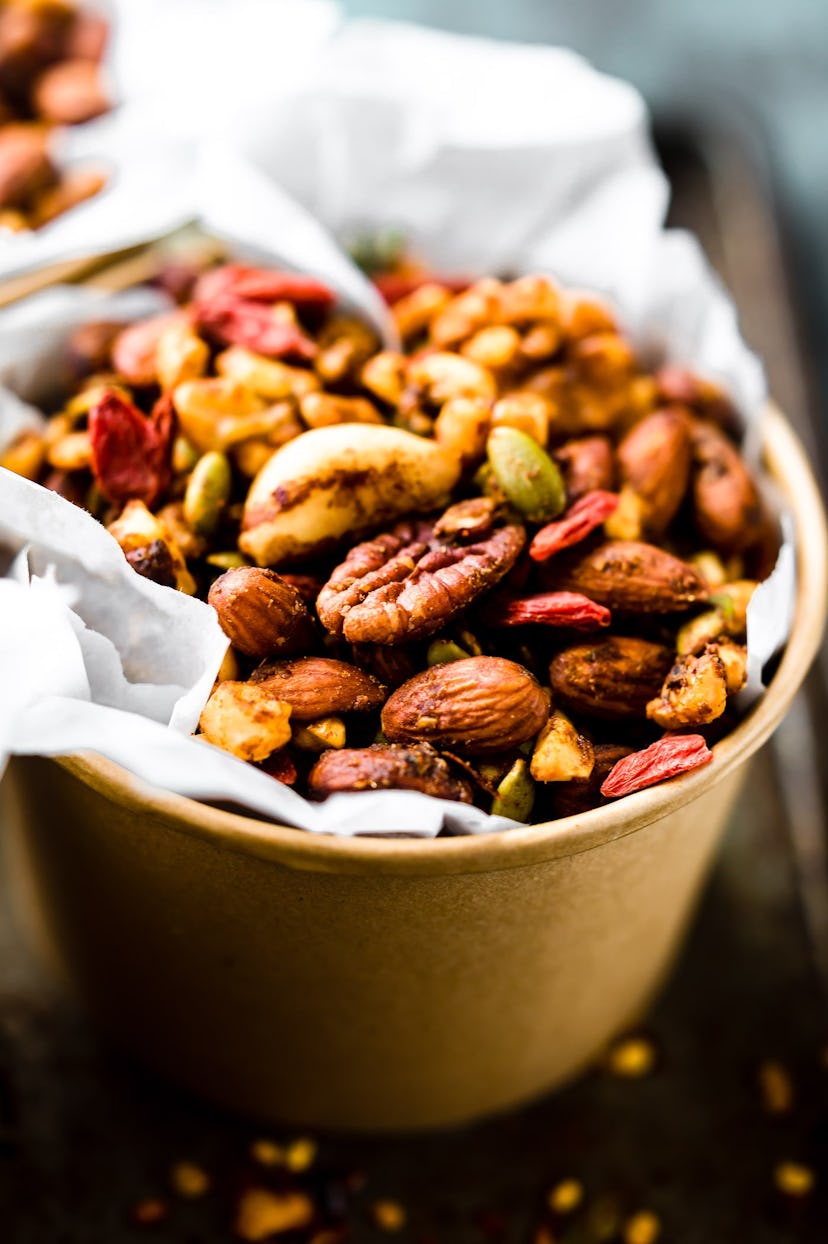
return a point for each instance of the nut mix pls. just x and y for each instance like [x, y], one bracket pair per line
[50, 75]
[505, 565]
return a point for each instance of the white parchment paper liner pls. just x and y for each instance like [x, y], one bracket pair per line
[597, 223]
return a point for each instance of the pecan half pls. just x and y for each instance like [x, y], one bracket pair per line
[387, 767]
[610, 678]
[320, 687]
[405, 584]
[630, 577]
[479, 706]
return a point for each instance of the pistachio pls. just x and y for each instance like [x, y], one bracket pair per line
[208, 490]
[528, 476]
[442, 650]
[515, 796]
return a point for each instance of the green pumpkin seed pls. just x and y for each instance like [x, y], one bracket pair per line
[208, 490]
[526, 473]
[515, 794]
[184, 456]
[441, 651]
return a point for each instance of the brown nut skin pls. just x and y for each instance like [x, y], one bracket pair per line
[153, 561]
[261, 614]
[25, 166]
[612, 678]
[629, 577]
[727, 508]
[387, 767]
[70, 92]
[404, 585]
[320, 687]
[654, 460]
[579, 795]
[587, 465]
[477, 706]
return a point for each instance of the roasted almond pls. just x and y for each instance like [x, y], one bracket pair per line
[320, 687]
[387, 767]
[727, 508]
[478, 706]
[611, 678]
[630, 577]
[260, 613]
[587, 465]
[654, 460]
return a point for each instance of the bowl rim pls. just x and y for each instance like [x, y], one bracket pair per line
[788, 464]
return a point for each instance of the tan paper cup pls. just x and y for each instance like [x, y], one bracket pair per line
[386, 984]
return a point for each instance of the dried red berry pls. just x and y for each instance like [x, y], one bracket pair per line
[233, 321]
[130, 450]
[263, 285]
[671, 755]
[550, 609]
[580, 521]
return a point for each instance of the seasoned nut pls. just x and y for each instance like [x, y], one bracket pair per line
[245, 719]
[405, 585]
[475, 517]
[320, 410]
[603, 359]
[344, 345]
[384, 376]
[139, 533]
[561, 753]
[70, 92]
[180, 354]
[260, 613]
[630, 577]
[268, 378]
[134, 350]
[727, 508]
[541, 341]
[209, 411]
[414, 312]
[628, 520]
[530, 298]
[494, 347]
[477, 706]
[383, 767]
[474, 308]
[25, 455]
[526, 473]
[694, 692]
[438, 376]
[654, 460]
[338, 481]
[587, 465]
[75, 187]
[25, 166]
[319, 736]
[320, 687]
[611, 678]
[734, 659]
[72, 452]
[528, 412]
[583, 316]
[462, 427]
[153, 561]
[582, 794]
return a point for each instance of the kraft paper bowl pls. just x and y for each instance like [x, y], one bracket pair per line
[385, 984]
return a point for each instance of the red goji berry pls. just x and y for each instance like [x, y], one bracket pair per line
[233, 321]
[130, 450]
[671, 755]
[263, 285]
[551, 609]
[581, 520]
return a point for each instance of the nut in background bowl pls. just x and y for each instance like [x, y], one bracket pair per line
[377, 983]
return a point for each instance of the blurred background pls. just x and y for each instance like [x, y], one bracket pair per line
[714, 1127]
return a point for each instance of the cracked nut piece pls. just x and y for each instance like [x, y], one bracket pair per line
[612, 678]
[630, 577]
[387, 767]
[246, 719]
[339, 481]
[477, 706]
[320, 687]
[260, 613]
[405, 584]
[561, 754]
[694, 692]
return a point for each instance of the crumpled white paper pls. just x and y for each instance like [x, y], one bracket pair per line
[551, 170]
[176, 69]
